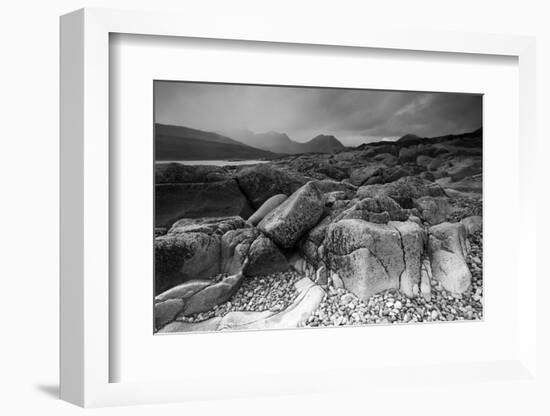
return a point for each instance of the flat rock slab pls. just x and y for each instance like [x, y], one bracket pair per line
[177, 326]
[183, 291]
[296, 315]
[234, 320]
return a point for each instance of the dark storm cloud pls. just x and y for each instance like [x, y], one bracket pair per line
[353, 116]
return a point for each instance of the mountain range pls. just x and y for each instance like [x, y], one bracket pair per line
[280, 142]
[185, 143]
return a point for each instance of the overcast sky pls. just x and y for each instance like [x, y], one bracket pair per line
[353, 116]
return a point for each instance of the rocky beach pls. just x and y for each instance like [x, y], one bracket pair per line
[387, 232]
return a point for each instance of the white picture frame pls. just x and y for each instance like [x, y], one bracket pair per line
[85, 209]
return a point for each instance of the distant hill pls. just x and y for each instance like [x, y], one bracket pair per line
[469, 139]
[408, 138]
[281, 143]
[322, 144]
[184, 143]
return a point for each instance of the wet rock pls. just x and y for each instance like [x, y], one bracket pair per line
[290, 220]
[448, 250]
[266, 208]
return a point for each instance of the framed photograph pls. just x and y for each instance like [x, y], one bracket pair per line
[355, 223]
[251, 213]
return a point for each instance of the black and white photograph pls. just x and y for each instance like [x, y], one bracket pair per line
[280, 207]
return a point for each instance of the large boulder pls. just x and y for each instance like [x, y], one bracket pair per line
[361, 175]
[367, 257]
[378, 210]
[179, 258]
[290, 220]
[191, 250]
[261, 182]
[423, 160]
[448, 248]
[178, 173]
[408, 154]
[167, 311]
[266, 208]
[403, 191]
[394, 173]
[413, 240]
[387, 159]
[264, 258]
[194, 200]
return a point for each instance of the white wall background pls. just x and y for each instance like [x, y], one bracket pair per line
[29, 204]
